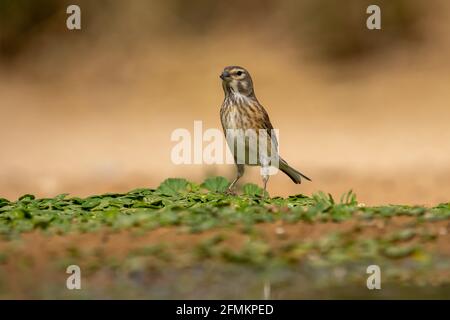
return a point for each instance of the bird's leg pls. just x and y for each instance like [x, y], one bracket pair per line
[266, 148]
[265, 177]
[240, 173]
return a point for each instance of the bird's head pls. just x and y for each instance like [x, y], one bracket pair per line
[236, 80]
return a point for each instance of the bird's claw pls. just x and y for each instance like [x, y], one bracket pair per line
[264, 196]
[230, 192]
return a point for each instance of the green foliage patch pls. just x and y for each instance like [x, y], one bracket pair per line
[197, 207]
[299, 243]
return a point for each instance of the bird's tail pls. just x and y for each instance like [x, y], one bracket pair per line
[291, 172]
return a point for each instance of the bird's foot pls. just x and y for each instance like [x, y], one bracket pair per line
[230, 192]
[264, 195]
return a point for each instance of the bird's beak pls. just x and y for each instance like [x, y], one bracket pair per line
[224, 75]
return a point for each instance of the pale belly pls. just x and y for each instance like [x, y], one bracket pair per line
[244, 143]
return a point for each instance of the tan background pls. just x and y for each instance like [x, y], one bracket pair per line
[92, 111]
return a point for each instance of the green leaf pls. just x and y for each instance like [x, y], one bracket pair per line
[27, 197]
[90, 203]
[172, 186]
[349, 198]
[4, 202]
[252, 190]
[322, 199]
[216, 184]
[399, 252]
[403, 235]
[443, 206]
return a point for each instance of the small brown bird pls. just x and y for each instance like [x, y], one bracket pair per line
[247, 128]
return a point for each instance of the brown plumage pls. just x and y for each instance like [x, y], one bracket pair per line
[241, 112]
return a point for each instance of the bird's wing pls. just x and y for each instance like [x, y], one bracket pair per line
[264, 123]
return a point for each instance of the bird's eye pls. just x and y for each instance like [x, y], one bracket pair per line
[239, 73]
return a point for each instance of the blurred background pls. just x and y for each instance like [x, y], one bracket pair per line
[92, 110]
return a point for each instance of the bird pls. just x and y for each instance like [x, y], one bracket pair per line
[248, 130]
